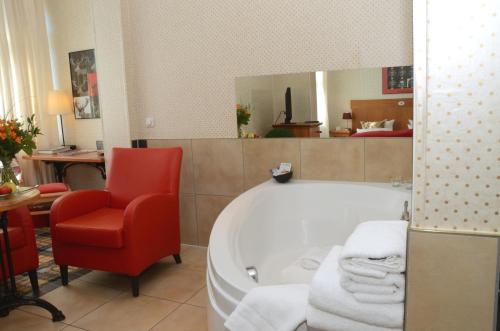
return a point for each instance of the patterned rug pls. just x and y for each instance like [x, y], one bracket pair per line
[49, 277]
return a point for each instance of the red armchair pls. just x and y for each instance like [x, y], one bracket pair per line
[128, 226]
[22, 244]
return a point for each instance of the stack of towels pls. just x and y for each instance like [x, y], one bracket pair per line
[361, 286]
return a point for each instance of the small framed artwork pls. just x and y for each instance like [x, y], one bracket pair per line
[84, 84]
[397, 80]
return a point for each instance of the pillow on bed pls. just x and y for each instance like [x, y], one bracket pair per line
[389, 124]
[372, 130]
[370, 125]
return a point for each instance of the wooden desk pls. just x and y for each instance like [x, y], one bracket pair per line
[301, 129]
[62, 162]
[10, 298]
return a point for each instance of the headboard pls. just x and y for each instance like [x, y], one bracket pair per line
[400, 110]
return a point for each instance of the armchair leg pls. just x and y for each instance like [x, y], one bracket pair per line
[177, 258]
[64, 274]
[135, 285]
[34, 282]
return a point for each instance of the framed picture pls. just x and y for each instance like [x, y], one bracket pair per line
[397, 80]
[84, 84]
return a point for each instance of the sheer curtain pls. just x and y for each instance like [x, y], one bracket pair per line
[25, 76]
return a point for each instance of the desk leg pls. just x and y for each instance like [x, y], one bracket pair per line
[59, 169]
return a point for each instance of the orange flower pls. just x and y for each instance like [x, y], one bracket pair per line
[19, 140]
[13, 134]
[3, 136]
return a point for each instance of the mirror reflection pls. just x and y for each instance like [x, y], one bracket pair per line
[340, 103]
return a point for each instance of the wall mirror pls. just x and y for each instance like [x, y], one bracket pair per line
[340, 103]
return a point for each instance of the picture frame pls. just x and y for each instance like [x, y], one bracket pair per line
[397, 80]
[84, 84]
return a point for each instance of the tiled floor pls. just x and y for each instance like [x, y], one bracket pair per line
[173, 298]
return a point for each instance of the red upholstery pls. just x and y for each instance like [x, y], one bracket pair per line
[101, 228]
[128, 226]
[52, 188]
[22, 241]
[16, 237]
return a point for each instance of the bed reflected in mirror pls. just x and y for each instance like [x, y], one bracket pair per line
[370, 102]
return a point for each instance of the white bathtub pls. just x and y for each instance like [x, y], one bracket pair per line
[272, 225]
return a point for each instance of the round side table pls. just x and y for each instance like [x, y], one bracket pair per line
[11, 299]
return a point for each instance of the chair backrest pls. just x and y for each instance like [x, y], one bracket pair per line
[137, 171]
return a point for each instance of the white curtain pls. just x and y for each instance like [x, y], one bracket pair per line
[25, 72]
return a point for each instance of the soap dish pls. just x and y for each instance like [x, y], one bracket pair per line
[284, 177]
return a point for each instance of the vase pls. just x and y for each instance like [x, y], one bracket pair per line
[7, 172]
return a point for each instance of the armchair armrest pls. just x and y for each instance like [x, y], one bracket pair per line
[150, 218]
[77, 203]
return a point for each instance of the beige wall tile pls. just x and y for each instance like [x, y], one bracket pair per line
[332, 159]
[189, 232]
[388, 157]
[261, 155]
[218, 166]
[451, 282]
[208, 208]
[187, 177]
[185, 318]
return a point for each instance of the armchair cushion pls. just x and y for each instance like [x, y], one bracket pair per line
[16, 237]
[100, 228]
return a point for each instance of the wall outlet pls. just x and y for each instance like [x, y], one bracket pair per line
[150, 122]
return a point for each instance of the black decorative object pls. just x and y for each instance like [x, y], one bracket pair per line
[284, 177]
[288, 105]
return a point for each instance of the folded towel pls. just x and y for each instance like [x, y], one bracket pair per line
[319, 319]
[326, 294]
[376, 248]
[366, 291]
[391, 279]
[270, 308]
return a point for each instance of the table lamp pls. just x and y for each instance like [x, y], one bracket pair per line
[347, 117]
[59, 103]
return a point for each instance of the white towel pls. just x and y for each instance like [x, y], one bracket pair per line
[391, 279]
[326, 294]
[376, 248]
[319, 319]
[389, 289]
[270, 308]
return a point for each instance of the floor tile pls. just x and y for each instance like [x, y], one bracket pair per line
[185, 318]
[20, 320]
[108, 279]
[75, 300]
[127, 313]
[172, 282]
[72, 328]
[194, 257]
[200, 299]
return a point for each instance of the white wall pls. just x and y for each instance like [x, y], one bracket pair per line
[182, 56]
[71, 28]
[347, 85]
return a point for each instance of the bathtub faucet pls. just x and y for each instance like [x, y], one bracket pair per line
[406, 214]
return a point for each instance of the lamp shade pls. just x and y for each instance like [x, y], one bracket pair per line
[59, 102]
[346, 116]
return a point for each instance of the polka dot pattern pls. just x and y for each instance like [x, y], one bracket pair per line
[457, 136]
[182, 57]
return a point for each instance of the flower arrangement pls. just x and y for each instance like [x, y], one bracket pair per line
[242, 117]
[15, 136]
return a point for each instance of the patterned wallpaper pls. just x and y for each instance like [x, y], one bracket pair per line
[182, 56]
[457, 142]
